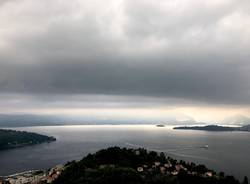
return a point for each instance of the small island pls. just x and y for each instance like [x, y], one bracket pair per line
[160, 125]
[217, 128]
[13, 139]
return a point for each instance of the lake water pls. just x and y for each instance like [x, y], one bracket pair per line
[227, 151]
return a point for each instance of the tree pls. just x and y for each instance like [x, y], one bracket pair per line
[162, 157]
[245, 181]
[222, 174]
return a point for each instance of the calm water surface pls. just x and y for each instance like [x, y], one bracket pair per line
[228, 151]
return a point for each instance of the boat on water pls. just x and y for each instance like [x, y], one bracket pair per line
[205, 147]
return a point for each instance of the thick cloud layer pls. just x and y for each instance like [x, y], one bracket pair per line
[190, 50]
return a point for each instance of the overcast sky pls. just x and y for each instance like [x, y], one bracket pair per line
[188, 55]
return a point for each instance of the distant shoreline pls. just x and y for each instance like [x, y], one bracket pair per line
[215, 128]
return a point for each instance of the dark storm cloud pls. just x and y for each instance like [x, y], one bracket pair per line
[189, 50]
[213, 82]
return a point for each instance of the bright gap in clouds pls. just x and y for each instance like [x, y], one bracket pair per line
[119, 107]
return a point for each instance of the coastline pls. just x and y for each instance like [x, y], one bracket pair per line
[78, 138]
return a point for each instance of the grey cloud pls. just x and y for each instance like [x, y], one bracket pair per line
[4, 2]
[207, 82]
[188, 54]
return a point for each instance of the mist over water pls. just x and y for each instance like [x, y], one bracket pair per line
[227, 151]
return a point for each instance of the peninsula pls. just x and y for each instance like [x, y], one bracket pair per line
[13, 139]
[217, 128]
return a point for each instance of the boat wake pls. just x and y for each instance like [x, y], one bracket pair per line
[174, 151]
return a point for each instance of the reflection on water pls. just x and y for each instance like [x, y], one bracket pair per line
[226, 151]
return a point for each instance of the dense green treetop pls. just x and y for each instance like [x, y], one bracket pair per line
[120, 165]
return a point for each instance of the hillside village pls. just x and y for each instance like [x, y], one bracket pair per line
[33, 176]
[141, 165]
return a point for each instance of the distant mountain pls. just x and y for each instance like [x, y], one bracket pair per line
[245, 128]
[15, 120]
[236, 120]
[20, 120]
